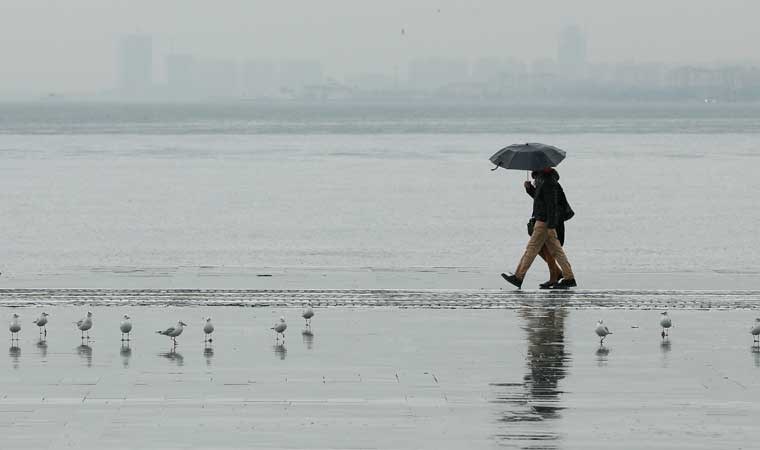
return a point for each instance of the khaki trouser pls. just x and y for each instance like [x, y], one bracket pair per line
[544, 236]
[554, 270]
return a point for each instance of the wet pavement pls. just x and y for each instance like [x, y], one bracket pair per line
[532, 375]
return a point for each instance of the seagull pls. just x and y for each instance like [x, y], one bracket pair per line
[41, 322]
[602, 331]
[208, 328]
[308, 313]
[756, 331]
[665, 323]
[15, 326]
[173, 332]
[84, 324]
[125, 327]
[279, 328]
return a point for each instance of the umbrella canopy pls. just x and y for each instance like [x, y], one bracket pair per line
[530, 156]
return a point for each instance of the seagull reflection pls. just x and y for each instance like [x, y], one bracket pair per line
[175, 356]
[281, 351]
[126, 353]
[601, 355]
[536, 399]
[15, 353]
[308, 337]
[85, 352]
[42, 346]
[208, 352]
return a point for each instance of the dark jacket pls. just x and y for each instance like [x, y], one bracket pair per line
[549, 201]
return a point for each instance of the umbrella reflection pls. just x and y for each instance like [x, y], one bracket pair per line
[308, 337]
[537, 397]
[15, 353]
[281, 351]
[126, 353]
[756, 353]
[85, 352]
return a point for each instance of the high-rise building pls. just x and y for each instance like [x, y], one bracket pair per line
[135, 63]
[431, 74]
[180, 74]
[217, 78]
[258, 79]
[571, 53]
[295, 75]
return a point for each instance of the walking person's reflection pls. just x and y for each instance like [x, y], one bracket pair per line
[546, 357]
[537, 399]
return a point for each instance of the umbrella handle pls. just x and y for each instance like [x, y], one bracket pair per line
[495, 167]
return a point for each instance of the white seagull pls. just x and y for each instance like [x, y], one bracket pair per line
[308, 313]
[279, 328]
[756, 331]
[84, 324]
[126, 327]
[665, 323]
[602, 331]
[15, 326]
[208, 328]
[41, 322]
[173, 332]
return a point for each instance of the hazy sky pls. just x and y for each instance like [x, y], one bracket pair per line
[69, 45]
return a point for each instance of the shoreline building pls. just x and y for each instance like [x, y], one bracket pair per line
[135, 64]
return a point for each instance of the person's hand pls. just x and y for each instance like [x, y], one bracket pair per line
[527, 184]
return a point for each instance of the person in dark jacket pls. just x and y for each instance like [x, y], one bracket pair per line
[548, 212]
[555, 273]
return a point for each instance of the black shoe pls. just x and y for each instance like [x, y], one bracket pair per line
[565, 283]
[547, 284]
[513, 279]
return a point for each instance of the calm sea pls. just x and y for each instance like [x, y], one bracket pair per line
[88, 190]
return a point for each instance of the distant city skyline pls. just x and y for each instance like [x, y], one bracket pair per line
[68, 47]
[568, 75]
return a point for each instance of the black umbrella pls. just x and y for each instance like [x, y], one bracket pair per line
[530, 156]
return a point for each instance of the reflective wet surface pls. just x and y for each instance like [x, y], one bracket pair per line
[530, 377]
[530, 407]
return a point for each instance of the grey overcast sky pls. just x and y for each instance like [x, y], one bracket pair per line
[70, 44]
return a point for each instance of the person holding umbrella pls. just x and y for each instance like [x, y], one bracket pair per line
[548, 208]
[555, 273]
